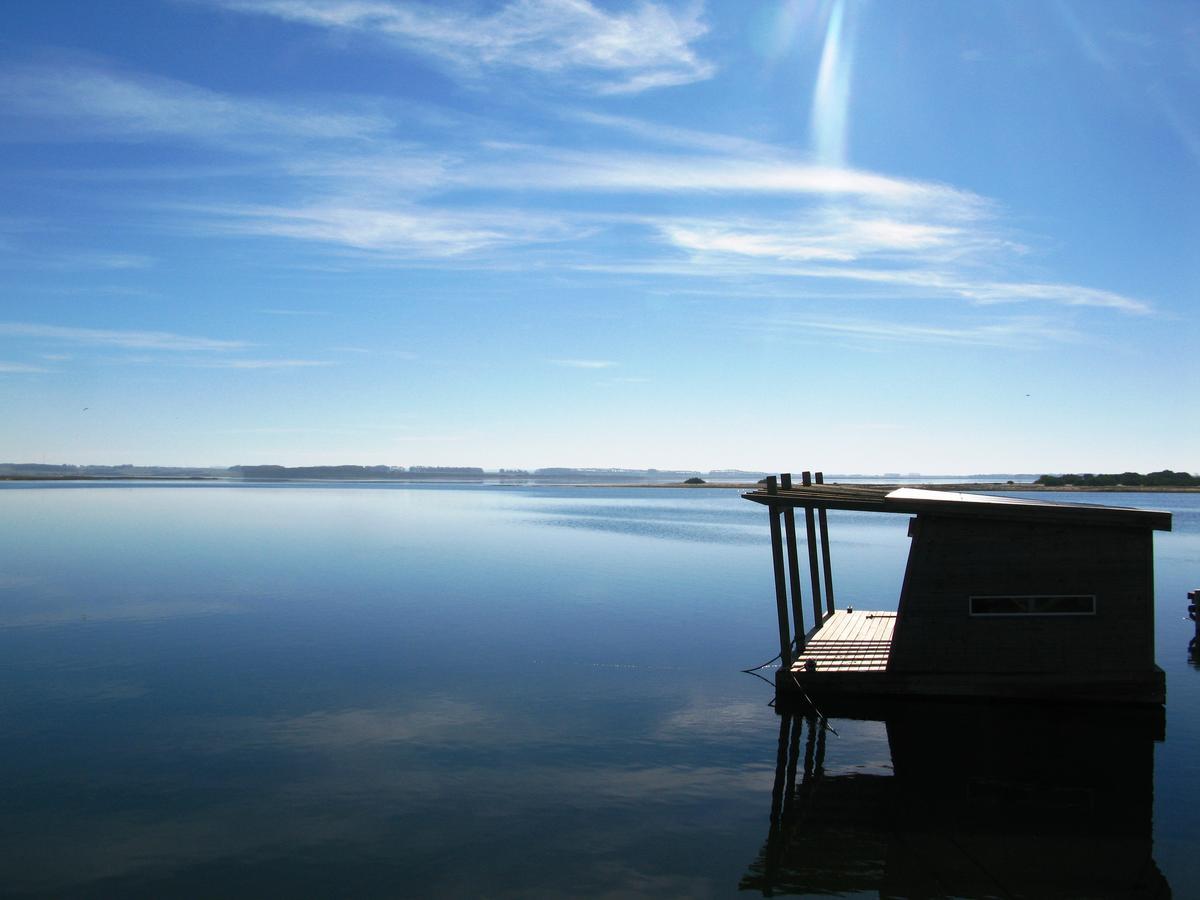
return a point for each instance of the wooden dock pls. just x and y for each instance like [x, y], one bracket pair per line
[858, 641]
[1002, 598]
[848, 656]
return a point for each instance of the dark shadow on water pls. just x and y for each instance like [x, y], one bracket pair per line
[984, 801]
[656, 528]
[1193, 612]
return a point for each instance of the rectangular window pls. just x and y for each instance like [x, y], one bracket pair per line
[1035, 605]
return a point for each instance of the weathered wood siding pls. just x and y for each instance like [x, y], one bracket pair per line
[953, 558]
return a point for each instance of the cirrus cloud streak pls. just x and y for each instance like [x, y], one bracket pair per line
[141, 340]
[605, 52]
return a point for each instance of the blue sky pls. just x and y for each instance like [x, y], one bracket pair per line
[850, 236]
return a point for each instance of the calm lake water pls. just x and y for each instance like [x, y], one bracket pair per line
[387, 690]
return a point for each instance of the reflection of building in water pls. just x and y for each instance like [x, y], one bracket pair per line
[984, 801]
[1194, 615]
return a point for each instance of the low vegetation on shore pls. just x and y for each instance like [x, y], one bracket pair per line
[1164, 478]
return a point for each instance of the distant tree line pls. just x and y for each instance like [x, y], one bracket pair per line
[1165, 478]
[443, 470]
[349, 472]
[123, 470]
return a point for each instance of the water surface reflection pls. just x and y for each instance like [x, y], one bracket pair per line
[989, 800]
[331, 690]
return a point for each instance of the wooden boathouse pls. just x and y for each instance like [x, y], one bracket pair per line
[1002, 597]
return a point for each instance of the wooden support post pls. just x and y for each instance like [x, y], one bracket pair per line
[810, 531]
[814, 575]
[792, 760]
[793, 561]
[776, 836]
[810, 748]
[820, 759]
[781, 600]
[781, 762]
[826, 566]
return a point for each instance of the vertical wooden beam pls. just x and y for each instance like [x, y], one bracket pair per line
[781, 599]
[781, 767]
[814, 575]
[776, 836]
[793, 561]
[792, 760]
[810, 748]
[819, 762]
[826, 566]
[810, 530]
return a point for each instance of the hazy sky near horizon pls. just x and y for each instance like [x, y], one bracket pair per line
[825, 234]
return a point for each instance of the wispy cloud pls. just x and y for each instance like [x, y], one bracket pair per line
[659, 134]
[650, 46]
[407, 231]
[1184, 125]
[87, 99]
[386, 354]
[264, 363]
[832, 237]
[117, 261]
[583, 363]
[34, 243]
[893, 285]
[541, 168]
[983, 291]
[844, 212]
[389, 167]
[756, 210]
[988, 292]
[142, 340]
[9, 368]
[1125, 56]
[1013, 333]
[905, 249]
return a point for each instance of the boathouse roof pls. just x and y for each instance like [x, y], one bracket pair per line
[874, 498]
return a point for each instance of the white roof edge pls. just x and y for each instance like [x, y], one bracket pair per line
[905, 493]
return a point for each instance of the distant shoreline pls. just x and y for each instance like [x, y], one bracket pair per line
[991, 486]
[114, 478]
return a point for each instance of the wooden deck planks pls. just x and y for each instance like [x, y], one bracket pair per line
[851, 654]
[859, 641]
